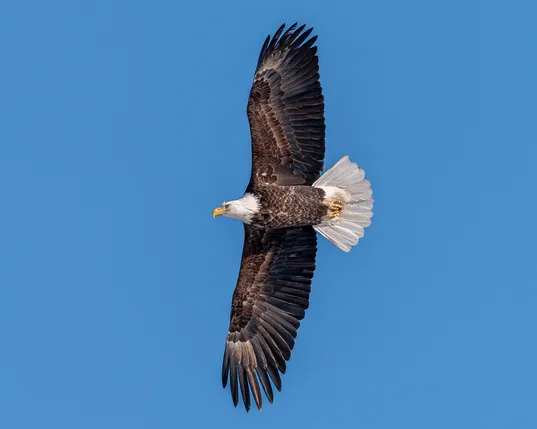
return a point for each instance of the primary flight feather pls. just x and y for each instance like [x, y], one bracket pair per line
[284, 204]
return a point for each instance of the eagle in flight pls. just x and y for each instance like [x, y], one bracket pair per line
[285, 203]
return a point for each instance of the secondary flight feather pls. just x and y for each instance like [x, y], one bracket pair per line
[285, 203]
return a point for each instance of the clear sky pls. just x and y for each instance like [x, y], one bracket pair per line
[122, 125]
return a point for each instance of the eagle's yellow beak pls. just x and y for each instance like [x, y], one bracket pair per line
[219, 211]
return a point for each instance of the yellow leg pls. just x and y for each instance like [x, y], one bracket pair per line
[335, 208]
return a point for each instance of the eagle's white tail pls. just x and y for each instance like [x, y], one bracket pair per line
[349, 197]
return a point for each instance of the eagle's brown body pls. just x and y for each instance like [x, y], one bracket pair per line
[286, 206]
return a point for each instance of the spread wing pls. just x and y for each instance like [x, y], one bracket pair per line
[271, 297]
[286, 111]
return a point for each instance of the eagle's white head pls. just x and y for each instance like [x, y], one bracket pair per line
[244, 209]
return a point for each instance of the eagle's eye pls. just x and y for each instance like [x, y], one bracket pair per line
[226, 206]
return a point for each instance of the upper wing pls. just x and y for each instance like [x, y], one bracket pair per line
[271, 297]
[286, 111]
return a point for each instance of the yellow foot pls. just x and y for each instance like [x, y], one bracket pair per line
[335, 208]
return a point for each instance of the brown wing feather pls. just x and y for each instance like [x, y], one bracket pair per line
[270, 299]
[286, 111]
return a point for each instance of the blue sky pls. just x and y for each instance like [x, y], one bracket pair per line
[123, 125]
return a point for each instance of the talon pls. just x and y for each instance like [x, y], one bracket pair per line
[335, 208]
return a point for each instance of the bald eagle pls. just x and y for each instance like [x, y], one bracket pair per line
[285, 202]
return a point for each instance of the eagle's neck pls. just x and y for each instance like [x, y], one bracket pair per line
[246, 208]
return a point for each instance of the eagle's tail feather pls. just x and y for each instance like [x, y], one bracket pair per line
[351, 197]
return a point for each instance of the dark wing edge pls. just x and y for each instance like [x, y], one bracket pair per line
[286, 111]
[270, 299]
